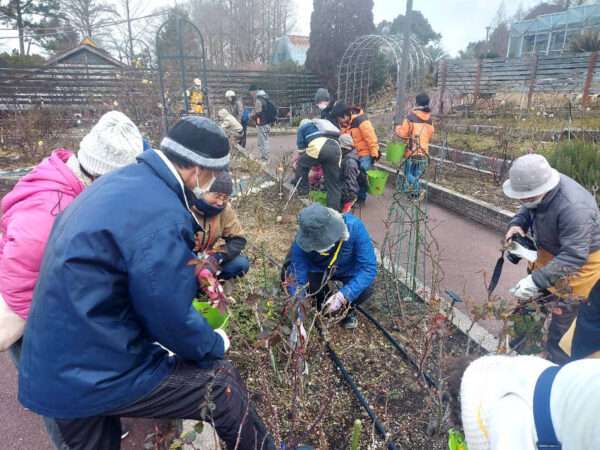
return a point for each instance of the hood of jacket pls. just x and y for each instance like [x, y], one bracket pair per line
[51, 175]
[425, 116]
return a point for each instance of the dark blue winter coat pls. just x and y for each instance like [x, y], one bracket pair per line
[114, 281]
[356, 261]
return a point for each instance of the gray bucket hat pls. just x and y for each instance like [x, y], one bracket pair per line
[530, 176]
[319, 228]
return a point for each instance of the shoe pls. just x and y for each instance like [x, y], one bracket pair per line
[350, 322]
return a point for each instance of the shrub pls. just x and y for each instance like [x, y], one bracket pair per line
[579, 160]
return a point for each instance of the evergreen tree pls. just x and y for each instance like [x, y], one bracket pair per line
[334, 25]
[26, 15]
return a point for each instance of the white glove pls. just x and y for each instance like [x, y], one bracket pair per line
[223, 335]
[526, 289]
[518, 250]
[334, 303]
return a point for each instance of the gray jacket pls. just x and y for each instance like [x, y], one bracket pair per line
[566, 224]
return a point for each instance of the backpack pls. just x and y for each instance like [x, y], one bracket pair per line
[269, 113]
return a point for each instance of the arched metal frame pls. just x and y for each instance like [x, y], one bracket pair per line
[354, 70]
[181, 57]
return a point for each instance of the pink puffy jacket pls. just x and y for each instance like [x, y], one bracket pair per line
[28, 213]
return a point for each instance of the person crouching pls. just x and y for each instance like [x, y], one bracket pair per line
[336, 247]
[351, 177]
[222, 237]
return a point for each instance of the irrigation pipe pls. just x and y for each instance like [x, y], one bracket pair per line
[361, 399]
[428, 379]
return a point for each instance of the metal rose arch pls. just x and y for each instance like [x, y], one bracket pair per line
[356, 66]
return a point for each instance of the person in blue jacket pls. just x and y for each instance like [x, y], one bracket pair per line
[115, 291]
[334, 246]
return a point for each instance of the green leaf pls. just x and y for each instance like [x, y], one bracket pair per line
[199, 427]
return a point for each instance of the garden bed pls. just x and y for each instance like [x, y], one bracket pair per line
[299, 392]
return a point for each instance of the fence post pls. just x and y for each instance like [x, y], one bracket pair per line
[532, 78]
[588, 79]
[444, 70]
[477, 82]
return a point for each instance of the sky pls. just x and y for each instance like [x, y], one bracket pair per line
[459, 21]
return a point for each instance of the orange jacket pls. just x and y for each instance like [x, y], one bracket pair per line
[417, 130]
[363, 134]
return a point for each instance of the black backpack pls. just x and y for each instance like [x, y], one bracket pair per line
[269, 113]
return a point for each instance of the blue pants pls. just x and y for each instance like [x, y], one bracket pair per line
[237, 267]
[365, 162]
[413, 171]
[51, 425]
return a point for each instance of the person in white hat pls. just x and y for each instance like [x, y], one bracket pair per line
[235, 106]
[30, 209]
[564, 220]
[526, 403]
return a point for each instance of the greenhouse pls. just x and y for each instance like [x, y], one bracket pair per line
[551, 33]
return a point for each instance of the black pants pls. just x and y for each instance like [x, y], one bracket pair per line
[321, 293]
[559, 324]
[329, 159]
[215, 394]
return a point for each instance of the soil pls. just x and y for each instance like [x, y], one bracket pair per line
[324, 405]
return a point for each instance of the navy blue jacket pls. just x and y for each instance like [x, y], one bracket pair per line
[356, 261]
[113, 282]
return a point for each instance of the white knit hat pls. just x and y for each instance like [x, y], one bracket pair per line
[113, 142]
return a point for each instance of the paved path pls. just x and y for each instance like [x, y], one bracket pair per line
[467, 248]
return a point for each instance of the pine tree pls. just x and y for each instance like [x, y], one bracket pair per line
[25, 15]
[334, 25]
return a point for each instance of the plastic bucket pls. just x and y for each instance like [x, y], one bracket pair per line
[212, 315]
[377, 180]
[318, 197]
[395, 152]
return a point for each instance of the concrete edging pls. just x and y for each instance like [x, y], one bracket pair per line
[476, 210]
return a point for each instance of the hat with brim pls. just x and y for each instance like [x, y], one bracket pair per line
[511, 191]
[530, 176]
[319, 228]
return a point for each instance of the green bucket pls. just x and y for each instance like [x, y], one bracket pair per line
[318, 197]
[212, 315]
[377, 180]
[395, 152]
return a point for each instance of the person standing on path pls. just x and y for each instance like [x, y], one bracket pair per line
[564, 220]
[353, 121]
[235, 106]
[417, 131]
[117, 279]
[265, 114]
[317, 144]
[30, 209]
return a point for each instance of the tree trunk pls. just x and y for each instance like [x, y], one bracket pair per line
[20, 28]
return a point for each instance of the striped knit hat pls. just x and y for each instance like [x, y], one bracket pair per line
[200, 141]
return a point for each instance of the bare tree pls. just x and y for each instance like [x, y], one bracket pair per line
[89, 17]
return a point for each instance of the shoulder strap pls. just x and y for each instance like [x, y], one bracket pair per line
[412, 117]
[358, 120]
[541, 410]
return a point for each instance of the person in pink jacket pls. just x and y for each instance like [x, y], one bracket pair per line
[28, 212]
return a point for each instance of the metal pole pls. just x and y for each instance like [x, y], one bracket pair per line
[182, 63]
[402, 73]
[129, 33]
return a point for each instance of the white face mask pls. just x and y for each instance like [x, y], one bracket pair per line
[199, 191]
[322, 105]
[534, 203]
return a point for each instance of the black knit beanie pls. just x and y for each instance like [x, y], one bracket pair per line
[222, 184]
[422, 100]
[200, 141]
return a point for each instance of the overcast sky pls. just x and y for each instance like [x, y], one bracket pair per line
[459, 21]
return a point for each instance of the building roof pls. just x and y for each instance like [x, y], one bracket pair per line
[89, 46]
[291, 48]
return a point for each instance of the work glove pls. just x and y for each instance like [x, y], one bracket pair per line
[335, 303]
[526, 289]
[223, 335]
[378, 157]
[519, 251]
